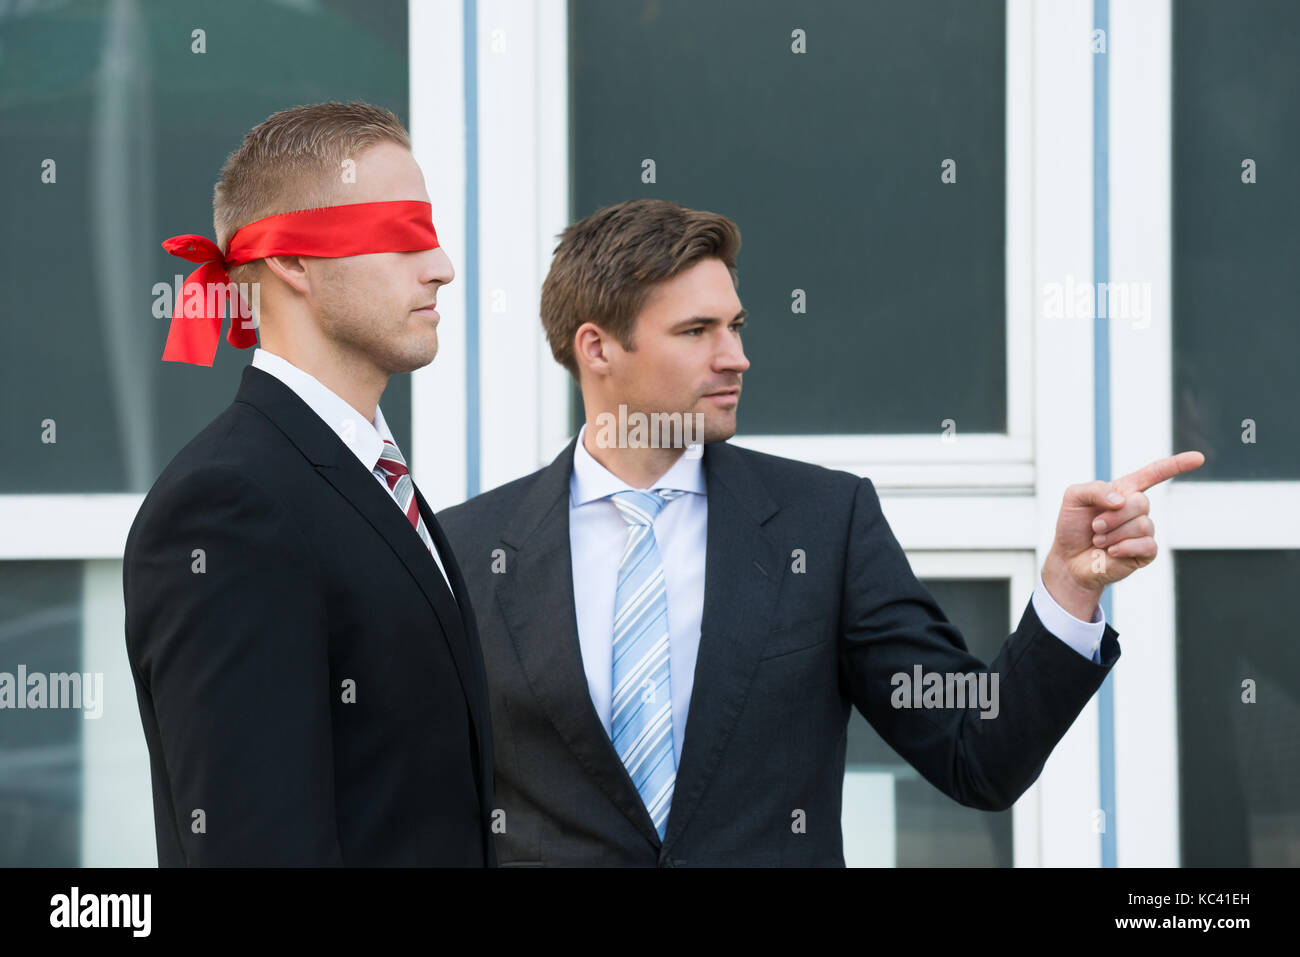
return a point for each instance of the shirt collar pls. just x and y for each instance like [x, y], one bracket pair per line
[591, 481]
[364, 438]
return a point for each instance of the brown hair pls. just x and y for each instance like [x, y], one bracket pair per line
[606, 265]
[293, 160]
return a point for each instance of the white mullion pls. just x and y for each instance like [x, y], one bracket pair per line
[552, 191]
[1062, 175]
[962, 522]
[437, 127]
[1146, 715]
[1228, 515]
[509, 286]
[965, 461]
[991, 462]
[72, 527]
[117, 827]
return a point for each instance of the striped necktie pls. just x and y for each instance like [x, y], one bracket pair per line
[641, 705]
[399, 481]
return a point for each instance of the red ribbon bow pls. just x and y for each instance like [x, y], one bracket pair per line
[352, 230]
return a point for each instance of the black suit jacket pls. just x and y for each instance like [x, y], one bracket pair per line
[783, 656]
[311, 587]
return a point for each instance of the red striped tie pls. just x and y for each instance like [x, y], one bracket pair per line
[395, 472]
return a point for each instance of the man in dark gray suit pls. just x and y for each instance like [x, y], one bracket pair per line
[673, 639]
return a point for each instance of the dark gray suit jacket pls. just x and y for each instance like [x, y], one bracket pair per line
[783, 656]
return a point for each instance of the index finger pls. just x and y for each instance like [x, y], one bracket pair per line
[1159, 470]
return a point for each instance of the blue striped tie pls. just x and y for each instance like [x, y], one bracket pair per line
[641, 706]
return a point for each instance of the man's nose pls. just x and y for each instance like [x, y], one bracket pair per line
[435, 266]
[732, 356]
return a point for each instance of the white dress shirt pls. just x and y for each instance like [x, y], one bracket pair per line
[598, 534]
[365, 438]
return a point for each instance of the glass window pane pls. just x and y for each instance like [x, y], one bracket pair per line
[40, 747]
[930, 829]
[138, 126]
[830, 161]
[1236, 97]
[75, 788]
[1238, 760]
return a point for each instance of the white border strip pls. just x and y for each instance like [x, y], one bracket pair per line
[1062, 165]
[524, 204]
[552, 102]
[66, 526]
[1146, 763]
[437, 127]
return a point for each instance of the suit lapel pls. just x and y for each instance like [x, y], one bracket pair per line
[536, 599]
[742, 574]
[337, 465]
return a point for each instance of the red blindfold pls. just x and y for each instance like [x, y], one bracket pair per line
[333, 231]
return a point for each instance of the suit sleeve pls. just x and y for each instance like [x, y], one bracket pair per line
[890, 624]
[227, 632]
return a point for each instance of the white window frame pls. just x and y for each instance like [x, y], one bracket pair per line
[524, 96]
[1188, 515]
[438, 117]
[991, 461]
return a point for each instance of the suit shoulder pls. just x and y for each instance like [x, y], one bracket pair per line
[237, 438]
[218, 464]
[483, 508]
[785, 475]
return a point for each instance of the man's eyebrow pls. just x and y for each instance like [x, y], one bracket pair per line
[707, 320]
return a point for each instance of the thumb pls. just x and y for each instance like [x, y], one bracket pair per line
[1098, 494]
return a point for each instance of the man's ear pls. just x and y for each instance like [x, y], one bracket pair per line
[290, 271]
[590, 346]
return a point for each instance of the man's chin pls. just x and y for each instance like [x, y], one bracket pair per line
[410, 361]
[719, 428]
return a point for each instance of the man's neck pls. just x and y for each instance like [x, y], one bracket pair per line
[639, 468]
[359, 385]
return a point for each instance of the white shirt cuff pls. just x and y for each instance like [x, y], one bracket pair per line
[1083, 636]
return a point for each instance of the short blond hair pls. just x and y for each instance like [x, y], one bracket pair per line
[292, 160]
